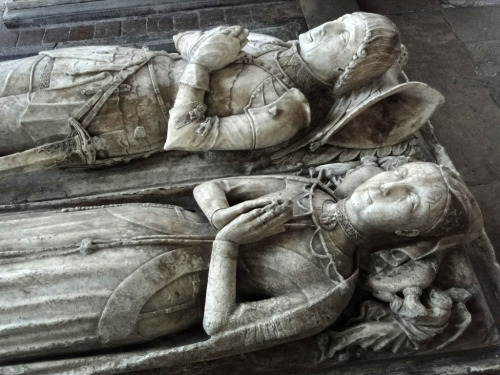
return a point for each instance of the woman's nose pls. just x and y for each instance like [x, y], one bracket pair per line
[390, 187]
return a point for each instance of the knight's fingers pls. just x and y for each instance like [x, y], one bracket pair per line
[235, 30]
[242, 36]
[240, 33]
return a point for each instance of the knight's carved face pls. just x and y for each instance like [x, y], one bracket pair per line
[331, 46]
[407, 200]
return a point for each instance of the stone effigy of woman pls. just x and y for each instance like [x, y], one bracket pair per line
[89, 106]
[274, 262]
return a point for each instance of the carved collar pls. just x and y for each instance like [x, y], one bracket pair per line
[292, 65]
[342, 219]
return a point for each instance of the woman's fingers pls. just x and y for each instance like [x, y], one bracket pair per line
[257, 223]
[274, 211]
[278, 219]
[249, 216]
[259, 202]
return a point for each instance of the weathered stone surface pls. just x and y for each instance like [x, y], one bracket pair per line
[488, 198]
[29, 38]
[474, 24]
[290, 10]
[211, 18]
[239, 15]
[186, 21]
[396, 6]
[57, 34]
[107, 29]
[160, 24]
[468, 3]
[8, 38]
[486, 56]
[134, 26]
[461, 124]
[317, 12]
[84, 32]
[264, 13]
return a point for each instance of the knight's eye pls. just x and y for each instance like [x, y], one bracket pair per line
[322, 33]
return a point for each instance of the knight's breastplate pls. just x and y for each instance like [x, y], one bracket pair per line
[240, 86]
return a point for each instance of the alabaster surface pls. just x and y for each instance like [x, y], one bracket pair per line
[297, 210]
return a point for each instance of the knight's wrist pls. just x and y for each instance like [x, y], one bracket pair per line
[196, 76]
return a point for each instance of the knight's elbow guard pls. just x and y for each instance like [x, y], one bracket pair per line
[260, 127]
[280, 120]
[265, 126]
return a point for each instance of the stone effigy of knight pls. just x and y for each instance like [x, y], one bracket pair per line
[227, 90]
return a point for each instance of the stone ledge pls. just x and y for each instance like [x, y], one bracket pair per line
[43, 14]
[282, 19]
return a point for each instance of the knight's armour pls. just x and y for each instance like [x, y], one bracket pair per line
[123, 98]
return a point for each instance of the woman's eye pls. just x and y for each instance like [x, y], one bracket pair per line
[345, 36]
[413, 200]
[401, 173]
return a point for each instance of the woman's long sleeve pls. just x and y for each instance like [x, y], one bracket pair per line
[213, 195]
[221, 287]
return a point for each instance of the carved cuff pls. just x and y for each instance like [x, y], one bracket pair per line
[412, 290]
[196, 76]
[226, 249]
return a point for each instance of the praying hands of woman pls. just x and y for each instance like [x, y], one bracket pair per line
[258, 223]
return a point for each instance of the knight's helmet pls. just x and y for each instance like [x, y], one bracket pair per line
[383, 113]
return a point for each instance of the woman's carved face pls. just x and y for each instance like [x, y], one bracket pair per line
[332, 45]
[407, 200]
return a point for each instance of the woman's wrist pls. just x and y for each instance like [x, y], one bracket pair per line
[216, 218]
[225, 248]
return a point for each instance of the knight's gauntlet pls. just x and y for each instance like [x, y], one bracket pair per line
[212, 49]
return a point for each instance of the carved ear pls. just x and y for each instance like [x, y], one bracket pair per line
[407, 233]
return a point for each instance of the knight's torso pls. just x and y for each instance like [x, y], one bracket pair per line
[132, 120]
[250, 83]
